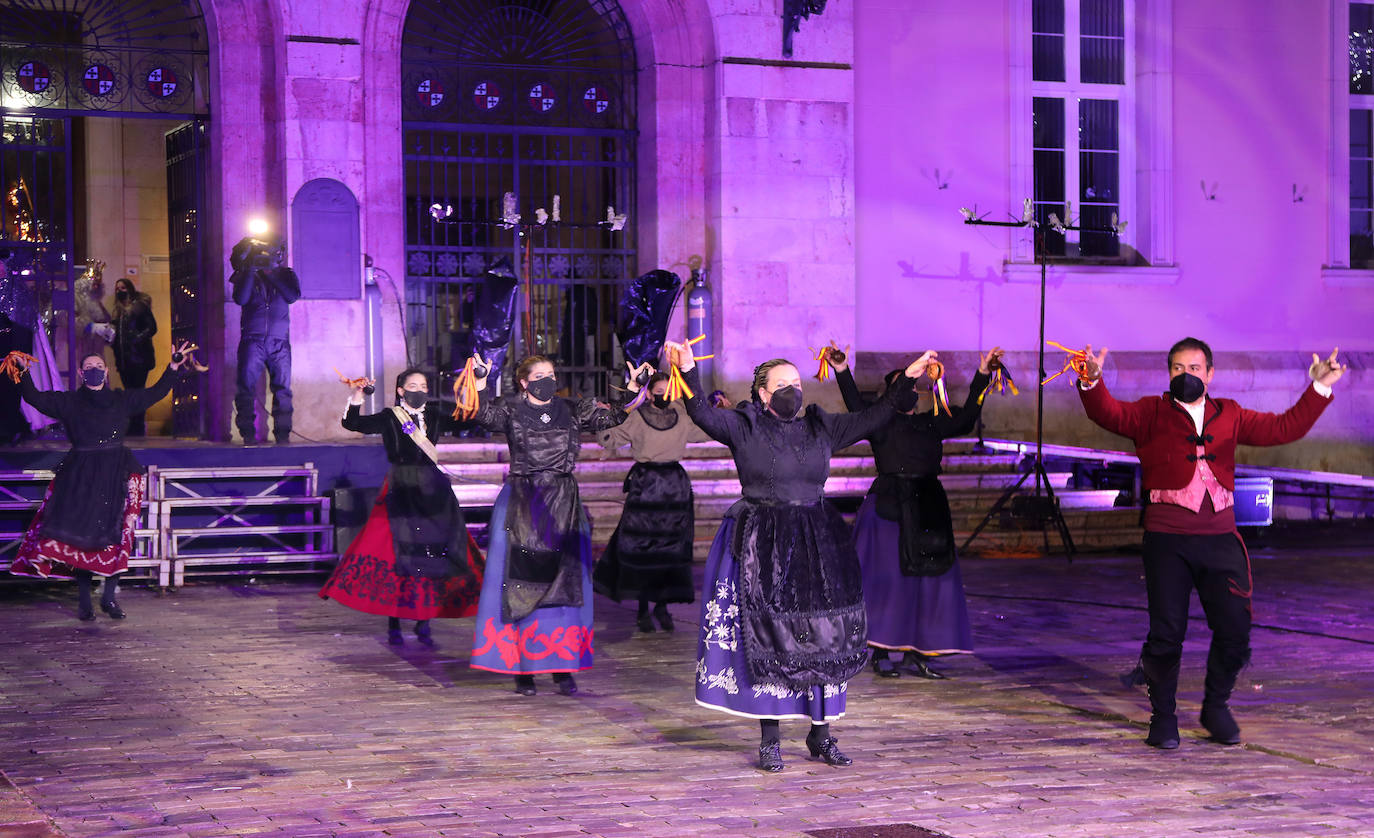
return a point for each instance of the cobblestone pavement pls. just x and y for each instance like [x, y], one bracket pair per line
[261, 709]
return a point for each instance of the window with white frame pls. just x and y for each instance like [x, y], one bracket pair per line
[1083, 124]
[1361, 49]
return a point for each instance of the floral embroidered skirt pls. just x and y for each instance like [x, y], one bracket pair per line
[722, 681]
[552, 639]
[48, 558]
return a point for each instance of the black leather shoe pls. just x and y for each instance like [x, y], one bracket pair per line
[565, 683]
[1220, 724]
[85, 614]
[393, 636]
[524, 685]
[645, 623]
[112, 610]
[916, 665]
[665, 620]
[828, 749]
[770, 757]
[1163, 733]
[423, 634]
[885, 668]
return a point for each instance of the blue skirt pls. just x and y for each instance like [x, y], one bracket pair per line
[553, 639]
[926, 614]
[722, 669]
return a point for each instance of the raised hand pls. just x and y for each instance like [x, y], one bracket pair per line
[1328, 371]
[635, 372]
[180, 353]
[481, 367]
[679, 354]
[917, 368]
[991, 361]
[1093, 364]
[837, 357]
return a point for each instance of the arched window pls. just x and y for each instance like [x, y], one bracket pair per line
[511, 105]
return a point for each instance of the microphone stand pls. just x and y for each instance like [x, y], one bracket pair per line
[1034, 509]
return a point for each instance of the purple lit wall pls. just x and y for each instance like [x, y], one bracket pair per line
[1251, 93]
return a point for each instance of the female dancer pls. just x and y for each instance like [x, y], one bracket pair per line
[414, 557]
[85, 526]
[782, 625]
[535, 614]
[913, 591]
[650, 554]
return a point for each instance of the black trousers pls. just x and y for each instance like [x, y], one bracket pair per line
[134, 380]
[258, 353]
[1217, 567]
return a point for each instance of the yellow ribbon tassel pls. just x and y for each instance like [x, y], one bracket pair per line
[1077, 361]
[936, 371]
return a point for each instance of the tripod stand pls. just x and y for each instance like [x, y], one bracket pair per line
[1034, 509]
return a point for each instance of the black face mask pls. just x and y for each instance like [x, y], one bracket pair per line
[786, 401]
[905, 399]
[93, 377]
[542, 388]
[661, 402]
[1186, 387]
[122, 296]
[415, 399]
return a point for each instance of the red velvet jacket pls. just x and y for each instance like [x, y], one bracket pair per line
[1165, 437]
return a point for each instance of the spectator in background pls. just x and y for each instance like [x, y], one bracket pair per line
[134, 326]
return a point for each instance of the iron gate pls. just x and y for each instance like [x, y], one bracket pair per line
[510, 107]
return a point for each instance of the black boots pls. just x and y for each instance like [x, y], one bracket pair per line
[108, 604]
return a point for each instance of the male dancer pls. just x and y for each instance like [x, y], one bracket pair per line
[1186, 442]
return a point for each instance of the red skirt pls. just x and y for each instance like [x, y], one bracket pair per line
[366, 578]
[48, 558]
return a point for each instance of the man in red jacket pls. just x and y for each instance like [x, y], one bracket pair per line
[1186, 441]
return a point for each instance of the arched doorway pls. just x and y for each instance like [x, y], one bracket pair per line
[507, 105]
[102, 160]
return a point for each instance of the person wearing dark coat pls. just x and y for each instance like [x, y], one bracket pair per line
[266, 292]
[649, 557]
[135, 326]
[913, 590]
[1186, 441]
[782, 620]
[414, 558]
[85, 525]
[535, 614]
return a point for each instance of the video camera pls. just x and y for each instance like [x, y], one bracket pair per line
[256, 254]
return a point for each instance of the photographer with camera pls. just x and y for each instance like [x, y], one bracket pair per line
[265, 287]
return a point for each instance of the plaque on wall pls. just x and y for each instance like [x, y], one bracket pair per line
[326, 249]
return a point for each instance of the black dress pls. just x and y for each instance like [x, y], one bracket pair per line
[85, 520]
[790, 557]
[649, 557]
[414, 557]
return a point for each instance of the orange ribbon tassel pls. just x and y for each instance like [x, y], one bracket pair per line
[1001, 381]
[15, 364]
[677, 385]
[1077, 361]
[936, 371]
[465, 392]
[351, 382]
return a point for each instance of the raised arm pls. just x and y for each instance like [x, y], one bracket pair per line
[725, 425]
[359, 423]
[140, 400]
[1256, 428]
[1127, 419]
[966, 416]
[848, 428]
[47, 402]
[620, 435]
[849, 391]
[243, 281]
[593, 418]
